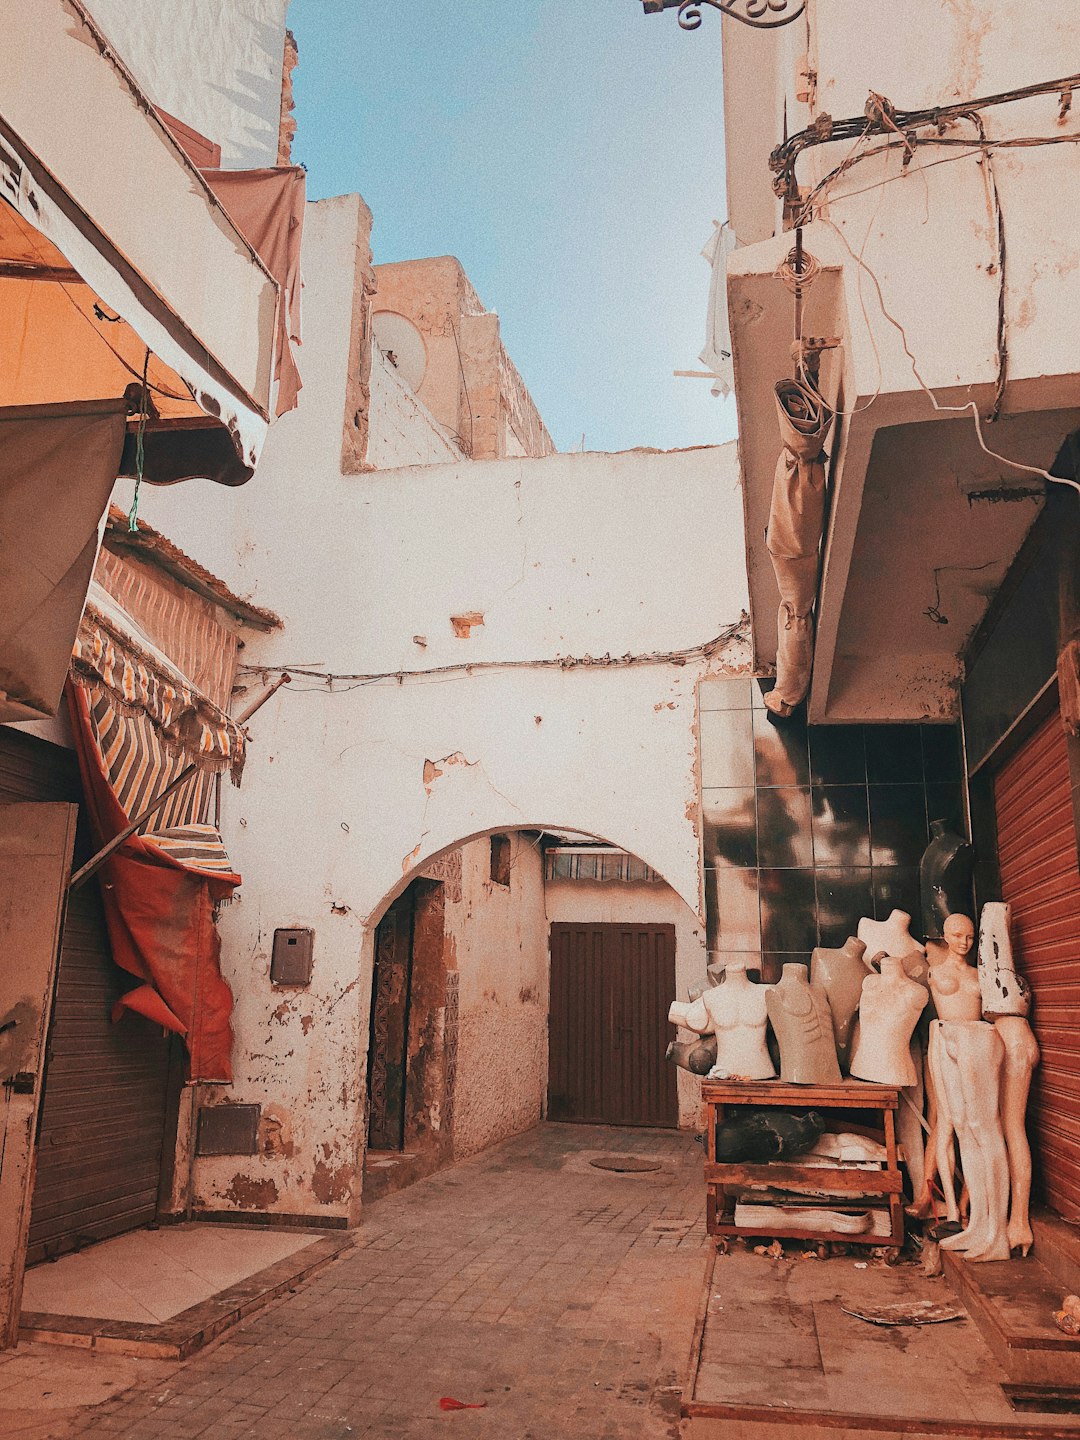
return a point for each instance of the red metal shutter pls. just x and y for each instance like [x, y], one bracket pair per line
[1040, 879]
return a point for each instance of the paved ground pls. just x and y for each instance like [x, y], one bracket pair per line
[561, 1295]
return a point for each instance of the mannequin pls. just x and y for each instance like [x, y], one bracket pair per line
[954, 983]
[841, 973]
[893, 936]
[1006, 1001]
[759, 1135]
[889, 1011]
[800, 1016]
[697, 1056]
[944, 877]
[969, 1058]
[735, 1013]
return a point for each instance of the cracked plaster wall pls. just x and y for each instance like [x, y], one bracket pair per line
[581, 555]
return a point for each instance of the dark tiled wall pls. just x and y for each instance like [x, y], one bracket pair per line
[809, 828]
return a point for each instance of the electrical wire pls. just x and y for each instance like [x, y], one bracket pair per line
[937, 404]
[563, 662]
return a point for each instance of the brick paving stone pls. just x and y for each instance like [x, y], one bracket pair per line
[561, 1295]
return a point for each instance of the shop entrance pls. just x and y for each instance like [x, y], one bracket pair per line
[611, 986]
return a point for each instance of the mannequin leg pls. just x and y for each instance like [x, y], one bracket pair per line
[1021, 1057]
[908, 1124]
[944, 1128]
[976, 1056]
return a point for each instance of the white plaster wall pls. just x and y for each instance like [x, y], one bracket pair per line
[215, 64]
[571, 555]
[499, 937]
[402, 431]
[612, 903]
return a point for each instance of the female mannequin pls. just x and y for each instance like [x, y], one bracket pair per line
[802, 1021]
[735, 1013]
[1007, 1001]
[841, 973]
[888, 1013]
[954, 983]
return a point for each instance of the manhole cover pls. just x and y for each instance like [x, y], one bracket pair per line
[625, 1164]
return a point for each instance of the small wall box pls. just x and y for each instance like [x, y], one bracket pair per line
[292, 958]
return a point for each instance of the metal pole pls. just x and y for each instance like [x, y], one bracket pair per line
[94, 864]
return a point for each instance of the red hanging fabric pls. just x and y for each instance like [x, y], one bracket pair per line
[159, 913]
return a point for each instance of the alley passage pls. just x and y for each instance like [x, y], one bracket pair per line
[560, 1294]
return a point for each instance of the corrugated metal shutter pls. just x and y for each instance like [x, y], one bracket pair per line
[1040, 878]
[102, 1127]
[611, 986]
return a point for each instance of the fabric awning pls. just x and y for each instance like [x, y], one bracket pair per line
[113, 213]
[268, 207]
[49, 540]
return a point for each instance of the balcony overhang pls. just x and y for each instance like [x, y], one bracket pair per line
[921, 524]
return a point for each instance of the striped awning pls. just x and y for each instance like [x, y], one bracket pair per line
[139, 766]
[144, 686]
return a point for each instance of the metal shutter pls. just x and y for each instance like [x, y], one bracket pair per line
[101, 1131]
[1040, 878]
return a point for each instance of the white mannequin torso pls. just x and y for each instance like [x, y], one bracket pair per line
[890, 1008]
[735, 1013]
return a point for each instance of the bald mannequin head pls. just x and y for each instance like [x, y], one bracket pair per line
[959, 935]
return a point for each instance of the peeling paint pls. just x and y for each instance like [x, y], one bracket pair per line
[306, 1022]
[331, 1185]
[247, 1193]
[465, 624]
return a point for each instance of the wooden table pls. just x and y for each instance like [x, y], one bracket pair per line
[846, 1182]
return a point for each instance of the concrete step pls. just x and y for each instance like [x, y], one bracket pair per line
[1057, 1244]
[387, 1171]
[1012, 1302]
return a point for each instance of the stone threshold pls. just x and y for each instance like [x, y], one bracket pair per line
[191, 1329]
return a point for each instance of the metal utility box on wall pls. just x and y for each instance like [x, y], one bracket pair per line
[228, 1130]
[293, 957]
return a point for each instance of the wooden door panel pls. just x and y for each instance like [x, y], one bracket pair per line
[388, 1058]
[36, 845]
[611, 986]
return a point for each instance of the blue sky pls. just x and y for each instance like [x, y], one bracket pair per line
[570, 154]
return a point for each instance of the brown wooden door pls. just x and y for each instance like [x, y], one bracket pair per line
[388, 1044]
[1040, 879]
[611, 986]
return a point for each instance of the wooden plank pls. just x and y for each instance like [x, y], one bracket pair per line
[806, 1178]
[849, 1094]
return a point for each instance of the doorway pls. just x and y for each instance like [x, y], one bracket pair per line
[611, 986]
[409, 1100]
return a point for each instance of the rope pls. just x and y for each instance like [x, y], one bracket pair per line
[140, 454]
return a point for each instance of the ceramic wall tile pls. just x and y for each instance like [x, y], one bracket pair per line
[841, 821]
[781, 756]
[731, 907]
[896, 887]
[893, 754]
[784, 837]
[942, 758]
[725, 694]
[946, 802]
[788, 910]
[837, 755]
[898, 826]
[773, 962]
[844, 896]
[729, 825]
[727, 747]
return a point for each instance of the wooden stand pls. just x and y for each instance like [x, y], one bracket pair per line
[847, 1183]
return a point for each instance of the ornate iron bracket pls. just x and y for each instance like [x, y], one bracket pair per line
[761, 14]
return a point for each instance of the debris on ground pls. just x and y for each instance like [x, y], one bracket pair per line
[1067, 1319]
[913, 1312]
[447, 1402]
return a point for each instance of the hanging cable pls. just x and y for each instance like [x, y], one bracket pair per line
[140, 456]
